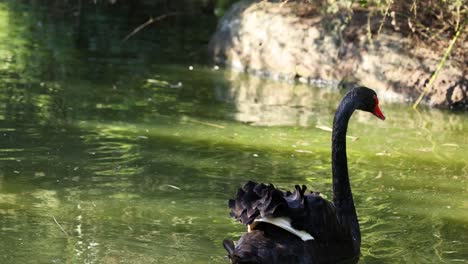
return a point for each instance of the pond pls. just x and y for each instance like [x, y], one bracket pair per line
[127, 153]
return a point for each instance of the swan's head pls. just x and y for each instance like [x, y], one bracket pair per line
[368, 101]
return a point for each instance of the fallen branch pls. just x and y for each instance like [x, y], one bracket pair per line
[206, 123]
[329, 129]
[150, 21]
[61, 228]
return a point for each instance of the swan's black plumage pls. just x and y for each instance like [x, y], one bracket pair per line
[333, 225]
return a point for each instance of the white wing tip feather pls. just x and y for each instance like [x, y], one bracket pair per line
[283, 223]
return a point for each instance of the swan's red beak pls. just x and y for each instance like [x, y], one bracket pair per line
[378, 113]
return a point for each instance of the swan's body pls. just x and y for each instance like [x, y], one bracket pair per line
[332, 233]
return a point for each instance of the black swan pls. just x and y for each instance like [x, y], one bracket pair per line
[300, 227]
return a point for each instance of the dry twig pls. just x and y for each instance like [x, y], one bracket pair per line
[61, 228]
[150, 21]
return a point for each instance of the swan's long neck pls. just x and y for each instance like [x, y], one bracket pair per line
[342, 196]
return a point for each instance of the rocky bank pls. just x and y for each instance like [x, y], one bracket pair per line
[294, 41]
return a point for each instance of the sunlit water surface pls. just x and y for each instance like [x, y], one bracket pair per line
[108, 156]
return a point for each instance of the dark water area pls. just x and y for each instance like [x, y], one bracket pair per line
[117, 151]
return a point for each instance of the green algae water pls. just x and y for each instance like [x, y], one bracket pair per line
[110, 153]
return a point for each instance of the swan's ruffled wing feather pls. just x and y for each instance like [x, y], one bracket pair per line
[254, 200]
[308, 212]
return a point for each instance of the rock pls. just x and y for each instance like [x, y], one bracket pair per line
[294, 41]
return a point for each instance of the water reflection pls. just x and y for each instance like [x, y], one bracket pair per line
[269, 103]
[112, 154]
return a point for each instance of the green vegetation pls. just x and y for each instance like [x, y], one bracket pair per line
[431, 21]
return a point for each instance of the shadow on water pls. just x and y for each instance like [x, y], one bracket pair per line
[135, 157]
